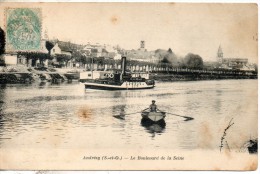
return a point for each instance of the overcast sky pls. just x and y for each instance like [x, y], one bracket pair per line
[196, 28]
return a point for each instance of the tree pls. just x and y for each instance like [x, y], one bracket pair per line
[166, 56]
[49, 45]
[193, 61]
[2, 46]
[2, 41]
[78, 56]
[63, 59]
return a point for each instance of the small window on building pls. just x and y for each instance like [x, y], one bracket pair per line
[54, 50]
[89, 75]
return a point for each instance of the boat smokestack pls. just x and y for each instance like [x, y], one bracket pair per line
[123, 65]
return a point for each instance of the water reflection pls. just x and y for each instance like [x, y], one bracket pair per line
[119, 111]
[153, 127]
[2, 98]
[2, 105]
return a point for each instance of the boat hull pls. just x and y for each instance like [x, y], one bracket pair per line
[117, 87]
[154, 116]
[148, 123]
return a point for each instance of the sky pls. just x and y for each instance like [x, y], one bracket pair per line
[183, 27]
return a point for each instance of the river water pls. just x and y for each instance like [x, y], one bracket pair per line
[66, 116]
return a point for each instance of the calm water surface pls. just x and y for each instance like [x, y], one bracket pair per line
[66, 116]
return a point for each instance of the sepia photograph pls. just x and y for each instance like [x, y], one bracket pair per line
[128, 86]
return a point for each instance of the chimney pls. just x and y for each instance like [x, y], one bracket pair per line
[123, 65]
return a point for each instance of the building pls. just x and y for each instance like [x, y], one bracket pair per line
[142, 56]
[87, 49]
[60, 48]
[232, 63]
[142, 46]
[19, 58]
[97, 50]
[10, 58]
[220, 55]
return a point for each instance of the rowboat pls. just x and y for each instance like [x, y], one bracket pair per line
[153, 116]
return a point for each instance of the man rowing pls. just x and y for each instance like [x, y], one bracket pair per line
[152, 107]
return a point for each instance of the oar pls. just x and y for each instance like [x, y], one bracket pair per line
[186, 117]
[126, 114]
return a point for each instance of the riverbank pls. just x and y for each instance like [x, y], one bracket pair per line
[21, 74]
[13, 78]
[198, 76]
[16, 75]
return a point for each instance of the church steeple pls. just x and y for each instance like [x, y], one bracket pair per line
[46, 37]
[220, 54]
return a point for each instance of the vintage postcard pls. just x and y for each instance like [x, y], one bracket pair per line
[128, 86]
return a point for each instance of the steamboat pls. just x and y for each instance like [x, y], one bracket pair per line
[116, 80]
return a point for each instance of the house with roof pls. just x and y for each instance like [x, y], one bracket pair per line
[60, 48]
[87, 49]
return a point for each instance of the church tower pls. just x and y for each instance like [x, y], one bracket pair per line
[46, 36]
[142, 44]
[44, 40]
[220, 55]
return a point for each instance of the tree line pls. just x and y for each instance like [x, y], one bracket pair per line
[191, 61]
